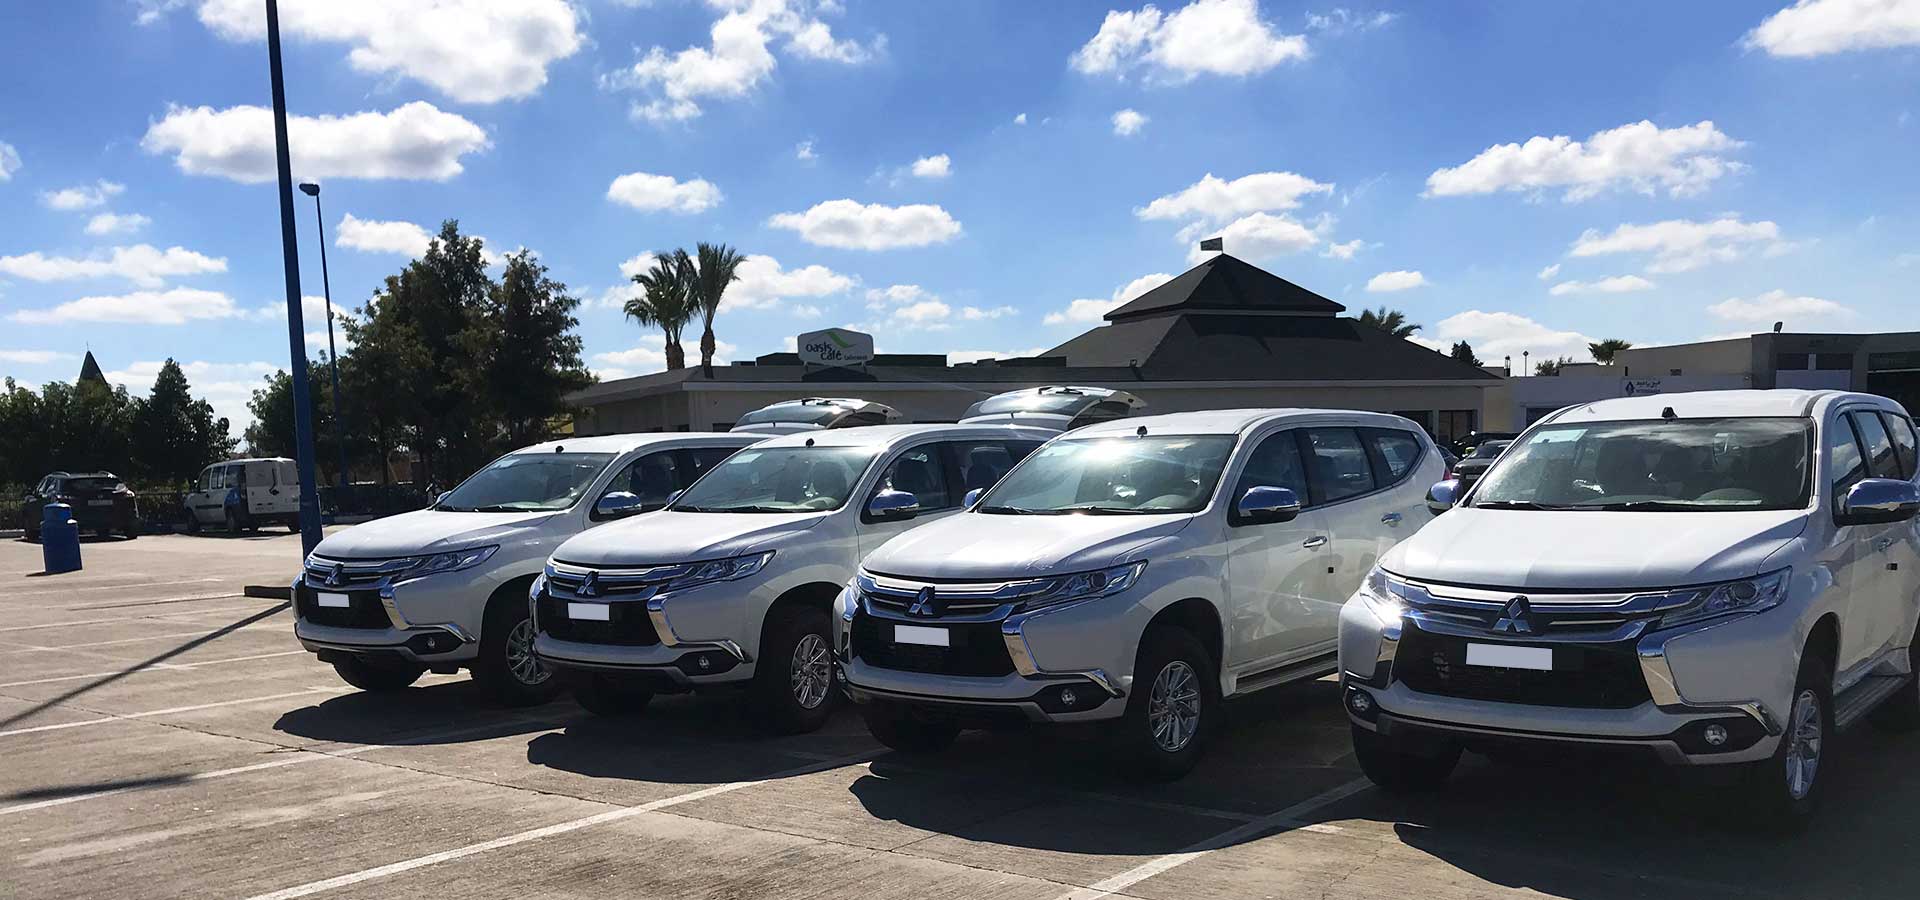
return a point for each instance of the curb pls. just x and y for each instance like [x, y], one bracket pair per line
[268, 591]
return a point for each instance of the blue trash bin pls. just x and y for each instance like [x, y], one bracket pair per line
[59, 539]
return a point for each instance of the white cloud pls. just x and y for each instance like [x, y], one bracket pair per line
[1345, 250]
[415, 141]
[1548, 272]
[1128, 122]
[86, 196]
[1778, 306]
[649, 355]
[851, 225]
[175, 306]
[804, 150]
[636, 264]
[142, 264]
[1679, 245]
[1820, 27]
[10, 160]
[376, 236]
[1641, 156]
[908, 307]
[1398, 280]
[1206, 37]
[475, 51]
[1259, 236]
[976, 314]
[663, 193]
[1020, 119]
[1090, 311]
[34, 357]
[1618, 284]
[117, 223]
[227, 386]
[738, 59]
[1499, 334]
[936, 166]
[762, 283]
[1340, 20]
[1214, 199]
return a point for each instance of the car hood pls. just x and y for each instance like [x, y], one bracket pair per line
[1592, 550]
[673, 537]
[994, 547]
[428, 531]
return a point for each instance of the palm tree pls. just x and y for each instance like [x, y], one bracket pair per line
[1603, 351]
[1391, 321]
[667, 302]
[719, 267]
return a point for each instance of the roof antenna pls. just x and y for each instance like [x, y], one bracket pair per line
[1669, 414]
[809, 442]
[1141, 431]
[558, 448]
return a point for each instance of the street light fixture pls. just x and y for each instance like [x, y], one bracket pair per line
[333, 356]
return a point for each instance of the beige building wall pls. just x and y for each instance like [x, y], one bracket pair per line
[1734, 356]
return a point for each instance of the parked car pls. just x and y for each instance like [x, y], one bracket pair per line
[244, 494]
[1464, 446]
[1135, 571]
[1469, 469]
[1056, 407]
[102, 503]
[445, 588]
[732, 583]
[815, 413]
[1722, 578]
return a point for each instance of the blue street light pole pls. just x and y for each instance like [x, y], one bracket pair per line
[296, 329]
[333, 356]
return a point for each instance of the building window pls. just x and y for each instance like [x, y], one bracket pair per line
[1833, 362]
[1790, 362]
[1454, 424]
[1673, 371]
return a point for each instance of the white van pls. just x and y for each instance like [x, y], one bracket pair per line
[244, 494]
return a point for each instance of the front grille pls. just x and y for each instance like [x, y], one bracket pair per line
[348, 574]
[629, 627]
[976, 649]
[571, 580]
[1584, 676]
[364, 610]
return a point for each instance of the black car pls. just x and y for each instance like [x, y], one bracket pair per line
[101, 502]
[1463, 447]
[1469, 469]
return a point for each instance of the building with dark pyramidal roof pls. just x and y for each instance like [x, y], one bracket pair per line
[90, 370]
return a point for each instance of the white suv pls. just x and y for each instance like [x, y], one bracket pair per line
[445, 587]
[1137, 570]
[731, 583]
[1719, 578]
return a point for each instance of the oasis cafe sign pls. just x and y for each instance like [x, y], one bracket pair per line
[835, 347]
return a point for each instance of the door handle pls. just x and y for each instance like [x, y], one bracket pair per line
[1315, 542]
[1392, 518]
[1883, 543]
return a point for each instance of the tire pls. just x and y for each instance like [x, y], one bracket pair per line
[1398, 770]
[1783, 792]
[1175, 703]
[131, 532]
[507, 669]
[193, 522]
[376, 678]
[904, 734]
[232, 522]
[33, 535]
[602, 697]
[793, 686]
[1900, 713]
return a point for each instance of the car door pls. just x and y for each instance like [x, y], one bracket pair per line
[1887, 593]
[1851, 555]
[1359, 517]
[921, 471]
[1278, 593]
[200, 503]
[1397, 458]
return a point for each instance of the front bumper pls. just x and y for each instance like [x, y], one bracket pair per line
[647, 637]
[377, 621]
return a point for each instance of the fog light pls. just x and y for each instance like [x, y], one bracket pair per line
[1068, 697]
[1715, 734]
[1360, 702]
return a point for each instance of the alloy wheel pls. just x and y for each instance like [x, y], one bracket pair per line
[1173, 707]
[1803, 748]
[811, 675]
[526, 667]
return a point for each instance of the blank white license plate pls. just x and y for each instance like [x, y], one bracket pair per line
[99, 502]
[598, 612]
[1506, 656]
[915, 634]
[335, 601]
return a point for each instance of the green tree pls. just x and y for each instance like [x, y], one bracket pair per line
[1603, 351]
[175, 435]
[1463, 352]
[1551, 366]
[534, 358]
[1391, 321]
[719, 266]
[667, 301]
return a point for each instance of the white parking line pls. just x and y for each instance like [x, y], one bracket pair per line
[38, 648]
[159, 602]
[352, 878]
[116, 717]
[1289, 816]
[154, 667]
[142, 585]
[130, 618]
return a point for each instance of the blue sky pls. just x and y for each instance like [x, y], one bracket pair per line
[965, 176]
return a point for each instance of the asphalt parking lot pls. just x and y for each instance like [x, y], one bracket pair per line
[164, 736]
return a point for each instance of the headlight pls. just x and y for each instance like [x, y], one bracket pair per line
[538, 587]
[451, 561]
[1749, 595]
[1085, 585]
[718, 570]
[1382, 594]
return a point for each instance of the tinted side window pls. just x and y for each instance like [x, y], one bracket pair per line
[1275, 463]
[653, 478]
[1843, 457]
[1873, 436]
[704, 458]
[1903, 442]
[919, 472]
[1400, 450]
[1339, 468]
[981, 463]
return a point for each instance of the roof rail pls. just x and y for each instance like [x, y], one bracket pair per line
[814, 413]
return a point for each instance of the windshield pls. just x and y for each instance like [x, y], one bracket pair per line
[93, 485]
[526, 482]
[1489, 449]
[1660, 465]
[779, 480]
[1171, 474]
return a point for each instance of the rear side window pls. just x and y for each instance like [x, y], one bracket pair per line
[918, 472]
[653, 478]
[981, 463]
[1873, 437]
[1399, 450]
[1275, 463]
[1903, 442]
[705, 458]
[1339, 467]
[1843, 457]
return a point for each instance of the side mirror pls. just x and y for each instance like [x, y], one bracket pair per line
[893, 506]
[973, 496]
[1265, 504]
[1876, 500]
[1443, 495]
[617, 504]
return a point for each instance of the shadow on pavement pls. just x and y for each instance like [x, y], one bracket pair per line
[689, 739]
[54, 792]
[449, 713]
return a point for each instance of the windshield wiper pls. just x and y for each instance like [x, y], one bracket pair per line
[1513, 504]
[738, 509]
[498, 507]
[1092, 510]
[1008, 511]
[1655, 505]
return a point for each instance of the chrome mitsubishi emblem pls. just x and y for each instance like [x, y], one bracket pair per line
[924, 603]
[590, 585]
[338, 576]
[1513, 620]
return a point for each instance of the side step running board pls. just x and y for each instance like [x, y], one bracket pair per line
[1306, 668]
[1862, 698]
